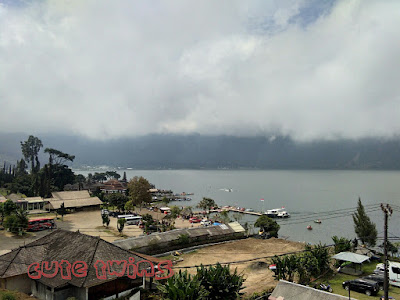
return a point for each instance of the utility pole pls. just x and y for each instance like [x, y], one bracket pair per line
[387, 210]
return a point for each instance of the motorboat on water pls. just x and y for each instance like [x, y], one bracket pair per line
[317, 221]
[277, 213]
[309, 227]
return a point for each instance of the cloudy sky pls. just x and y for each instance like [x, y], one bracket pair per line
[104, 69]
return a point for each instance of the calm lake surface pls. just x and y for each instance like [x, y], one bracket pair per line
[306, 195]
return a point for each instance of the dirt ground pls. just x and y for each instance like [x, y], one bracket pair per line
[88, 222]
[257, 274]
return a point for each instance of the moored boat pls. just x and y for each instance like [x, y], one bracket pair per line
[277, 213]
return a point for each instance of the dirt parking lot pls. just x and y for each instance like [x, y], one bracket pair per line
[258, 276]
[88, 222]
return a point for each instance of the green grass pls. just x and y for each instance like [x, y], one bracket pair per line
[337, 279]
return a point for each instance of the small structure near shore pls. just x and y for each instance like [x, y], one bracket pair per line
[354, 258]
[182, 238]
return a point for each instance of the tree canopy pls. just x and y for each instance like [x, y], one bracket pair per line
[364, 227]
[207, 203]
[267, 224]
[139, 190]
[30, 150]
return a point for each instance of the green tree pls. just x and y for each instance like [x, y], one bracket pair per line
[148, 218]
[30, 150]
[175, 211]
[113, 174]
[267, 224]
[220, 282]
[121, 225]
[139, 190]
[9, 207]
[2, 212]
[11, 223]
[99, 177]
[129, 206]
[342, 244]
[183, 286]
[21, 167]
[56, 157]
[117, 199]
[22, 217]
[364, 227]
[80, 180]
[207, 203]
[225, 216]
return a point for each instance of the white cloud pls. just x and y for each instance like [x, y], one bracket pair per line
[110, 69]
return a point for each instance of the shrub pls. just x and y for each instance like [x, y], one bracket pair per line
[183, 286]
[8, 296]
[220, 283]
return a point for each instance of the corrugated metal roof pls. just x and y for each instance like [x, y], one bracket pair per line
[69, 203]
[352, 257]
[290, 290]
[173, 235]
[71, 195]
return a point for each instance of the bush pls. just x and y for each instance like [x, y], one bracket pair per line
[220, 283]
[183, 239]
[11, 222]
[183, 286]
[8, 296]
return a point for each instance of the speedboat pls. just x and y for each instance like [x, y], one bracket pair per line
[317, 221]
[309, 227]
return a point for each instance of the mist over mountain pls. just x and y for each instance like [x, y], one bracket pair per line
[200, 151]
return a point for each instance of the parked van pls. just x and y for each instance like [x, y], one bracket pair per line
[131, 219]
[394, 272]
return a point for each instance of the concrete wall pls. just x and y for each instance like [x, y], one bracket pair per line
[21, 283]
[41, 291]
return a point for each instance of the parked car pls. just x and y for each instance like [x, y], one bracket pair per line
[205, 222]
[194, 220]
[366, 286]
[113, 214]
[377, 278]
[379, 269]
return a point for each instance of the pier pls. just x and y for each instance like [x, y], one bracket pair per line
[254, 213]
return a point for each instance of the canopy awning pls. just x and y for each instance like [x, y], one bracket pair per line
[352, 257]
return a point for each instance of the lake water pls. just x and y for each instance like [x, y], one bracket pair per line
[301, 192]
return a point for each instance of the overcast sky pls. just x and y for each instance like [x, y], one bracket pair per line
[106, 69]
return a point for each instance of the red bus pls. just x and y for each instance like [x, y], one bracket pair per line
[41, 224]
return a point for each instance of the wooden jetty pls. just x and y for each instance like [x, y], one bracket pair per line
[254, 213]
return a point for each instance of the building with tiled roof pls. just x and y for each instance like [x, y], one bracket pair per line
[69, 246]
[113, 186]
